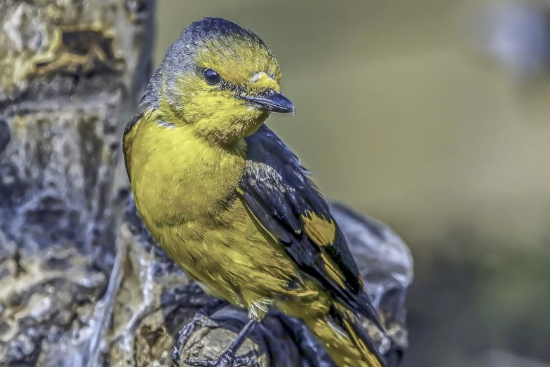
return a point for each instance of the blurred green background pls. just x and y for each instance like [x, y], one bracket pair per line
[433, 116]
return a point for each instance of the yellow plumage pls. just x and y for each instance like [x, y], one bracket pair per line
[186, 195]
[186, 155]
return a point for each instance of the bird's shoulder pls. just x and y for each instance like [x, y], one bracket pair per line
[279, 190]
[274, 176]
[147, 117]
[128, 138]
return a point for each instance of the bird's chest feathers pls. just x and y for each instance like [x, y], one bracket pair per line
[184, 178]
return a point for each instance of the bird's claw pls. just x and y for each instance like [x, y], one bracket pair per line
[225, 360]
[201, 319]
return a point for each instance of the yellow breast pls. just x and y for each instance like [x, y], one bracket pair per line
[178, 177]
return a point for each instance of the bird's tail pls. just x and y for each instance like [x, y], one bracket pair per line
[345, 339]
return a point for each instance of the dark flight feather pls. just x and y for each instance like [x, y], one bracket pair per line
[127, 140]
[287, 204]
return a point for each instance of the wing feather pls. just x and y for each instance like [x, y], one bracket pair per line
[127, 140]
[286, 203]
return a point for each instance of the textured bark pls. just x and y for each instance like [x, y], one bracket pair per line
[81, 281]
[69, 72]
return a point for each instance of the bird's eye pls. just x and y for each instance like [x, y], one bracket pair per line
[211, 77]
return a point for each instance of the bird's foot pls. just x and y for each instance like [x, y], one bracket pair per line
[226, 360]
[201, 318]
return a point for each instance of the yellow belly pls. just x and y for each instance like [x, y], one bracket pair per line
[231, 258]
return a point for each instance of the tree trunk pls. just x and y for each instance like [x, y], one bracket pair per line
[70, 74]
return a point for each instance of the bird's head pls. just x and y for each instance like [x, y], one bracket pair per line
[220, 79]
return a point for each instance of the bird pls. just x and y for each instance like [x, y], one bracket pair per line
[231, 204]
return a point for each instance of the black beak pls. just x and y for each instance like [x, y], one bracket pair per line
[274, 102]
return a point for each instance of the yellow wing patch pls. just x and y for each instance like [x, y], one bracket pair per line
[370, 357]
[333, 271]
[321, 231]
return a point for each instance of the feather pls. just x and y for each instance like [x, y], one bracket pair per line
[286, 203]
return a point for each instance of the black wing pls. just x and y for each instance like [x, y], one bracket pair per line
[278, 193]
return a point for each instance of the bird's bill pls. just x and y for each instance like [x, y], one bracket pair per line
[274, 102]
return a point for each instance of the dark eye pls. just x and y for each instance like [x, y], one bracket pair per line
[211, 77]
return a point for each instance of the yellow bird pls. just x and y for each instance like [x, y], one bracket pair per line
[230, 203]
